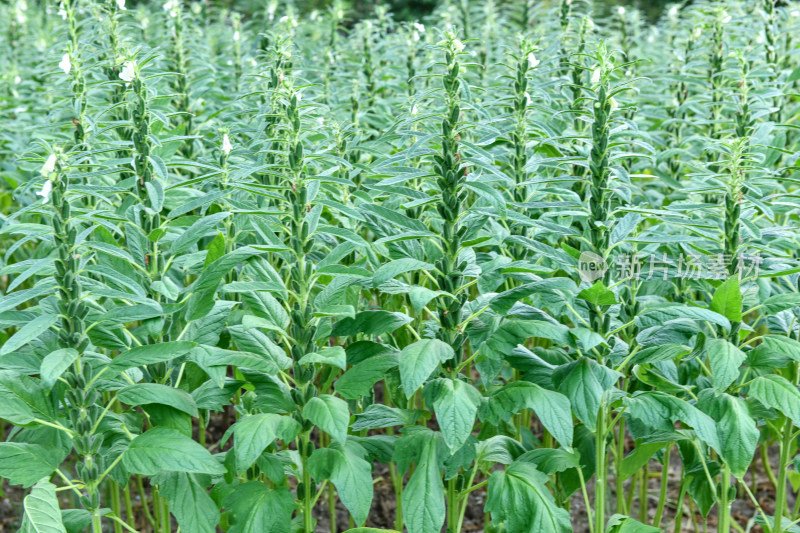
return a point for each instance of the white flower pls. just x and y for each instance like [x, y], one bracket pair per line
[698, 31]
[725, 17]
[17, 80]
[621, 11]
[121, 5]
[458, 45]
[236, 35]
[49, 166]
[128, 72]
[596, 75]
[569, 3]
[271, 9]
[419, 27]
[314, 15]
[47, 188]
[321, 121]
[62, 12]
[299, 96]
[532, 61]
[414, 110]
[172, 7]
[795, 13]
[226, 144]
[527, 99]
[673, 12]
[65, 64]
[414, 37]
[339, 14]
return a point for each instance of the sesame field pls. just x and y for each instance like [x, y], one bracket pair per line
[293, 267]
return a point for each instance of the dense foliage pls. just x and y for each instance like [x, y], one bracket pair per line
[254, 266]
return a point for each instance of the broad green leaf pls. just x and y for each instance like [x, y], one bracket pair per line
[625, 524]
[42, 514]
[23, 399]
[330, 414]
[149, 393]
[196, 231]
[423, 496]
[370, 323]
[150, 354]
[359, 380]
[455, 404]
[254, 508]
[778, 393]
[24, 464]
[55, 363]
[346, 467]
[552, 408]
[418, 360]
[727, 300]
[188, 501]
[27, 333]
[519, 497]
[167, 450]
[334, 356]
[253, 433]
[725, 360]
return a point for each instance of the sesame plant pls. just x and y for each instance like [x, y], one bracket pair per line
[510, 267]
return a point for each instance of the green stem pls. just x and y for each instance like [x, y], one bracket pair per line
[622, 508]
[115, 504]
[724, 502]
[601, 476]
[308, 494]
[783, 462]
[97, 523]
[126, 496]
[397, 481]
[662, 495]
[452, 506]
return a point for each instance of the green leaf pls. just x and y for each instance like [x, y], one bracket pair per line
[27, 333]
[150, 354]
[778, 393]
[455, 404]
[253, 433]
[419, 360]
[583, 383]
[334, 356]
[519, 497]
[214, 272]
[625, 524]
[359, 380]
[188, 501]
[351, 474]
[330, 414]
[254, 508]
[727, 300]
[197, 231]
[552, 408]
[370, 323]
[55, 363]
[725, 360]
[598, 294]
[23, 399]
[42, 514]
[167, 450]
[150, 393]
[24, 464]
[737, 431]
[423, 497]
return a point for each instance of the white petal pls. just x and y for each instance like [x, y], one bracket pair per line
[49, 165]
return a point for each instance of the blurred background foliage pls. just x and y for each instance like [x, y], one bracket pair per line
[411, 9]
